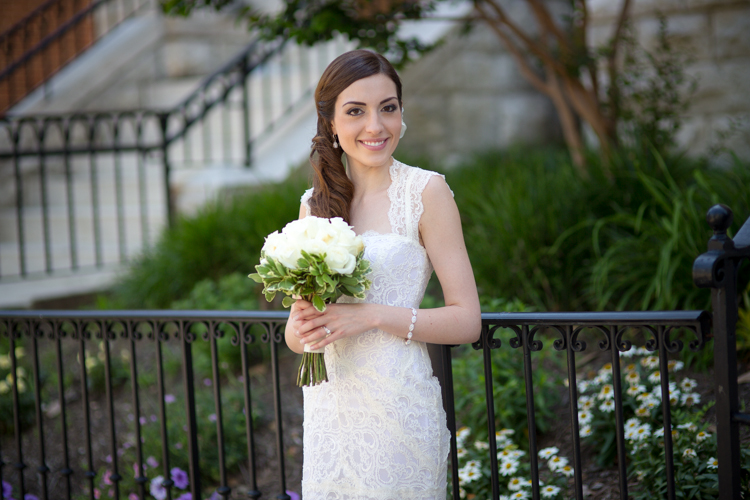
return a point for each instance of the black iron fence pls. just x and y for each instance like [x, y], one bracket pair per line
[52, 338]
[89, 190]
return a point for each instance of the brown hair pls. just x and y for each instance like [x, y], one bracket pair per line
[333, 190]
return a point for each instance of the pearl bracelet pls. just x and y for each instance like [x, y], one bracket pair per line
[411, 326]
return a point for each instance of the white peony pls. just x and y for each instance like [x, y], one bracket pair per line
[340, 261]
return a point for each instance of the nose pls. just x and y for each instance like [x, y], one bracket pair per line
[374, 124]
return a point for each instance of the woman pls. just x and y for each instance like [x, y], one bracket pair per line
[377, 429]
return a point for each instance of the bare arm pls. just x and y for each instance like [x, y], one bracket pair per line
[457, 323]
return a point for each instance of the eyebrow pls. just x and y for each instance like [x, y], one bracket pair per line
[364, 104]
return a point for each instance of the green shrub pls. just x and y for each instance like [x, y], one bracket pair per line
[223, 238]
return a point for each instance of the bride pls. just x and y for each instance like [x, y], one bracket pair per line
[377, 429]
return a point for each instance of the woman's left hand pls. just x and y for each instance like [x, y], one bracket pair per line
[342, 320]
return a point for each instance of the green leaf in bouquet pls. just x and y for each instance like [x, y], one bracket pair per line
[320, 281]
[270, 295]
[287, 284]
[356, 289]
[303, 263]
[318, 303]
[348, 280]
[255, 277]
[287, 301]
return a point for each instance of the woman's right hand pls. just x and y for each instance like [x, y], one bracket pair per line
[291, 333]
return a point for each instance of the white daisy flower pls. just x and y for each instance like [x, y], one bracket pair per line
[675, 366]
[519, 495]
[689, 453]
[606, 369]
[632, 378]
[556, 462]
[702, 436]
[655, 377]
[566, 470]
[688, 384]
[713, 463]
[461, 452]
[607, 406]
[603, 378]
[632, 423]
[634, 390]
[549, 491]
[691, 399]
[504, 432]
[585, 431]
[650, 362]
[516, 483]
[642, 412]
[643, 432]
[516, 454]
[508, 467]
[584, 417]
[481, 445]
[549, 452]
[607, 392]
[583, 385]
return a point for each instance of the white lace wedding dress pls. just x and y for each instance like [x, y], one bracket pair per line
[377, 429]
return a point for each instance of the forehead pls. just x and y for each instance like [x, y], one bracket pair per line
[370, 90]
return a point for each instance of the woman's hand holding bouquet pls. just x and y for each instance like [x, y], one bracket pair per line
[318, 260]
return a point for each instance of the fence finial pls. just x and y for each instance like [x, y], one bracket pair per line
[719, 217]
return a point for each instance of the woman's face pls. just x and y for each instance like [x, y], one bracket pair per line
[367, 120]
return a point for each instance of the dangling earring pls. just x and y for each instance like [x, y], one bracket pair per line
[403, 125]
[335, 142]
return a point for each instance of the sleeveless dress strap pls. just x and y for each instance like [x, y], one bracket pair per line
[305, 199]
[416, 182]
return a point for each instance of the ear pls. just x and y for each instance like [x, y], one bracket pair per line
[333, 128]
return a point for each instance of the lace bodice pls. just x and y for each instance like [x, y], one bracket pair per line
[376, 430]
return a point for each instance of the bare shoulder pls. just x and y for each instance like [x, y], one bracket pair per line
[437, 193]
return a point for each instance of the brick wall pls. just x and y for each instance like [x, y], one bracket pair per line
[14, 43]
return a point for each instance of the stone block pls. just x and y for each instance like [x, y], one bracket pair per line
[722, 88]
[525, 118]
[185, 57]
[731, 29]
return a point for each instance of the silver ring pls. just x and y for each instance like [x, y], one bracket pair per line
[328, 332]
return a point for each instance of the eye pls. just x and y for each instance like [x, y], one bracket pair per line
[390, 108]
[354, 112]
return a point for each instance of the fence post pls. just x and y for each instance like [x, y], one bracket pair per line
[717, 269]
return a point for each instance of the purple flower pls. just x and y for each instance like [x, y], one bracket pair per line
[178, 445]
[240, 379]
[212, 417]
[153, 418]
[169, 398]
[29, 496]
[108, 477]
[137, 470]
[215, 496]
[111, 493]
[179, 477]
[108, 458]
[292, 494]
[207, 382]
[151, 461]
[158, 491]
[7, 489]
[132, 496]
[185, 496]
[97, 493]
[143, 420]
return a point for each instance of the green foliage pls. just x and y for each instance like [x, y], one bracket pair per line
[371, 24]
[235, 442]
[25, 390]
[514, 205]
[223, 238]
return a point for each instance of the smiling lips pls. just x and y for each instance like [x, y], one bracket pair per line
[374, 145]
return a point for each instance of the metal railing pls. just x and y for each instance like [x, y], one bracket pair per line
[53, 35]
[64, 176]
[157, 331]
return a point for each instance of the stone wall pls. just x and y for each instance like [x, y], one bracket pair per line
[716, 36]
[468, 94]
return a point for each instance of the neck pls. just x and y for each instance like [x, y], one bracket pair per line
[368, 180]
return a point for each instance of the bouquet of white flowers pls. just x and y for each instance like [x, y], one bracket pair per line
[318, 260]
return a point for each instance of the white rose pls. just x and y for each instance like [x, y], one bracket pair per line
[339, 260]
[315, 246]
[287, 253]
[273, 240]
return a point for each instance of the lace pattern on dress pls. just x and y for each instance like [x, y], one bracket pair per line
[377, 429]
